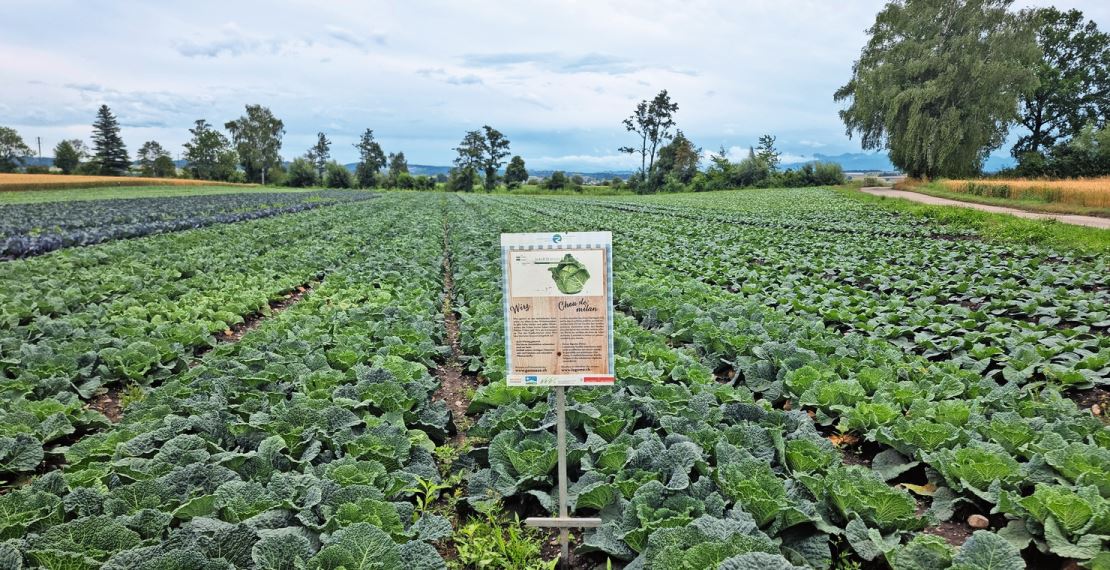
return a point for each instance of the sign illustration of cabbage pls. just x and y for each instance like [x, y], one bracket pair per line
[570, 275]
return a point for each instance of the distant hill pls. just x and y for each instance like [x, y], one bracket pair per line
[880, 161]
[603, 175]
[36, 161]
[851, 161]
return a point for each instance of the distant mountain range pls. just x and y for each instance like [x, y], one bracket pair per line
[851, 161]
[878, 161]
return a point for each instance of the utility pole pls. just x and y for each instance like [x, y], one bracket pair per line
[39, 140]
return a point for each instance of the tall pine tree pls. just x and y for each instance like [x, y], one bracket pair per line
[319, 154]
[109, 152]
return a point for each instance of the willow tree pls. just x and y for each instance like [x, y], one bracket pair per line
[938, 83]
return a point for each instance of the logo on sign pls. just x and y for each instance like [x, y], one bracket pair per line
[556, 238]
[531, 379]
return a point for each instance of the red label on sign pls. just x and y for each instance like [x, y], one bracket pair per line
[597, 379]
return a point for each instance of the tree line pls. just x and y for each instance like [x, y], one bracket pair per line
[250, 151]
[669, 160]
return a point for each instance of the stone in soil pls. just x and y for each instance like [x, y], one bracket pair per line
[1095, 399]
[955, 533]
[978, 521]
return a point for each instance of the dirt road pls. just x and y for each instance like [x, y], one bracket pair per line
[1089, 221]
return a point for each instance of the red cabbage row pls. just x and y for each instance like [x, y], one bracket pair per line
[34, 229]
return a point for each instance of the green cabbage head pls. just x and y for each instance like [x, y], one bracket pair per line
[570, 275]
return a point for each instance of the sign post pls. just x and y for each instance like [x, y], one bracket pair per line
[558, 305]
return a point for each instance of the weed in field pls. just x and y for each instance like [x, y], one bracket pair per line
[131, 394]
[489, 542]
[426, 493]
[446, 456]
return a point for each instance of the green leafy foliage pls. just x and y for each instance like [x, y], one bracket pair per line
[987, 551]
[361, 546]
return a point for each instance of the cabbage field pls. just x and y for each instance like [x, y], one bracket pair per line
[316, 380]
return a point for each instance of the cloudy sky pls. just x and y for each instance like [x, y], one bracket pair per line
[556, 77]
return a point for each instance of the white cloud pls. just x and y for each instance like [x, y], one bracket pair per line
[585, 161]
[232, 40]
[360, 41]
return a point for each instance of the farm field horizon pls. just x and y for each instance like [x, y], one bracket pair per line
[806, 378]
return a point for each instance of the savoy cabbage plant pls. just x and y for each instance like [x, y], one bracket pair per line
[1075, 522]
[570, 275]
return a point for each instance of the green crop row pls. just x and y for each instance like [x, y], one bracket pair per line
[79, 321]
[299, 446]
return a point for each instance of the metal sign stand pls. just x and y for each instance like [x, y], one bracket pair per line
[564, 521]
[535, 296]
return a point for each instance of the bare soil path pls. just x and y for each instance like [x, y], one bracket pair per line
[1089, 221]
[456, 386]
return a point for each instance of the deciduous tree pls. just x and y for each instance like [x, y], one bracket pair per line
[678, 159]
[164, 166]
[302, 173]
[155, 161]
[557, 181]
[68, 155]
[652, 122]
[1073, 79]
[515, 173]
[337, 176]
[461, 179]
[13, 151]
[469, 160]
[938, 83]
[483, 151]
[109, 152]
[257, 137]
[208, 155]
[494, 149]
[398, 165]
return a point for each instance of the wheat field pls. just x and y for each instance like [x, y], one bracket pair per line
[1088, 192]
[14, 182]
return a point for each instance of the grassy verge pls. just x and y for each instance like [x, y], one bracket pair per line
[997, 227]
[938, 190]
